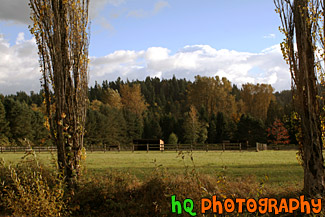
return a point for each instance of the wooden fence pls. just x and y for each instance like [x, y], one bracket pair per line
[204, 147]
[26, 149]
[133, 147]
[148, 147]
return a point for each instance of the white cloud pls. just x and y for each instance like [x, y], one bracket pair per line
[157, 54]
[19, 68]
[239, 67]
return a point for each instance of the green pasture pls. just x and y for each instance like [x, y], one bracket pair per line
[281, 167]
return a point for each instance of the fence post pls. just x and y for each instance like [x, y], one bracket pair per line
[257, 149]
[119, 147]
[223, 146]
[147, 148]
[239, 146]
[105, 148]
[132, 147]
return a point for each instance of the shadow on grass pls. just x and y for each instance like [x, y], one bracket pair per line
[279, 174]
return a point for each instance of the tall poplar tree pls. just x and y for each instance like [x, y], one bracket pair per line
[302, 25]
[191, 126]
[60, 29]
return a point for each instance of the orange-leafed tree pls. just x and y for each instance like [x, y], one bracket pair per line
[256, 99]
[277, 133]
[132, 99]
[213, 94]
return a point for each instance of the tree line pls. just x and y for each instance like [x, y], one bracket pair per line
[207, 110]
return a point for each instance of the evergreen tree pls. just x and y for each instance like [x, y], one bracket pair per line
[221, 127]
[134, 125]
[39, 133]
[212, 130]
[93, 126]
[22, 97]
[146, 128]
[4, 126]
[167, 123]
[113, 126]
[151, 127]
[36, 98]
[250, 129]
[19, 116]
[156, 129]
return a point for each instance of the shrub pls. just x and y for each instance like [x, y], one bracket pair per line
[30, 189]
[172, 139]
[106, 195]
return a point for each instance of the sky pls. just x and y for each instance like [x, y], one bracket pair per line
[133, 39]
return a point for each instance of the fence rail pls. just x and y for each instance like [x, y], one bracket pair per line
[152, 147]
[204, 147]
[26, 149]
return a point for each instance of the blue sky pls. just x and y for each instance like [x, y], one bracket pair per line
[222, 24]
[238, 39]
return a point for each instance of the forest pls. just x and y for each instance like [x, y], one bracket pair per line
[206, 110]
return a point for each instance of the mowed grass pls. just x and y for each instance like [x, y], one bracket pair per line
[281, 167]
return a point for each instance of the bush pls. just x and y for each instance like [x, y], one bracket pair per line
[172, 139]
[27, 189]
[118, 194]
[107, 195]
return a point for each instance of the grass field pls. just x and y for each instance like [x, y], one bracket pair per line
[281, 167]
